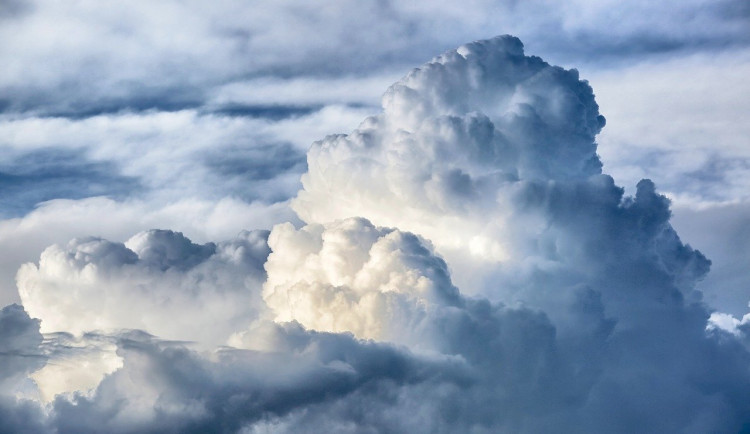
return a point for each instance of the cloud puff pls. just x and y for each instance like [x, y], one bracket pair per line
[350, 276]
[157, 281]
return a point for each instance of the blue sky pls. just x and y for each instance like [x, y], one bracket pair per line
[198, 119]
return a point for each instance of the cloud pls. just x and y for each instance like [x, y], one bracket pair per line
[92, 288]
[60, 220]
[464, 266]
[608, 270]
[19, 348]
[207, 291]
[46, 174]
[207, 175]
[159, 65]
[373, 282]
[450, 145]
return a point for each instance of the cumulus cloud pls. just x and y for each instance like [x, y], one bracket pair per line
[354, 277]
[178, 289]
[510, 156]
[463, 266]
[57, 221]
[157, 281]
[454, 138]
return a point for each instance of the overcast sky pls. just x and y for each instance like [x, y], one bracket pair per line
[249, 216]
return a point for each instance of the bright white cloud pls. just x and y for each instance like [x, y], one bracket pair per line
[157, 281]
[450, 147]
[58, 221]
[350, 276]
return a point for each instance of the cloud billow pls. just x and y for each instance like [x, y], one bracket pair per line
[464, 266]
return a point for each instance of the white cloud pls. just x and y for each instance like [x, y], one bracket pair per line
[350, 276]
[450, 146]
[58, 221]
[157, 281]
[534, 297]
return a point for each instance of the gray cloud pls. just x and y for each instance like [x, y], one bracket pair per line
[238, 388]
[20, 345]
[27, 179]
[230, 42]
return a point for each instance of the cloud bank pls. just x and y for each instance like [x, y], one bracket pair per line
[463, 266]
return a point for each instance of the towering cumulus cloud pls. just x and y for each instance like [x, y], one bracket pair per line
[456, 138]
[463, 266]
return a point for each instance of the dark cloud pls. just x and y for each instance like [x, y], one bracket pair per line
[273, 112]
[13, 9]
[245, 171]
[28, 178]
[20, 342]
[238, 388]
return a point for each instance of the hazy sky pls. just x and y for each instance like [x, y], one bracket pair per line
[260, 217]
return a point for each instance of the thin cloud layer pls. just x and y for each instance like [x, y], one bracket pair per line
[97, 64]
[464, 266]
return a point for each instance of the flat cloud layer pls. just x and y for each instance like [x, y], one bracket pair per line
[464, 266]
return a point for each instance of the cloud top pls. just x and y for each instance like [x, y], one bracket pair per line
[456, 136]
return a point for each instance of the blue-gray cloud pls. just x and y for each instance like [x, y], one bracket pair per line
[146, 72]
[28, 178]
[244, 171]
